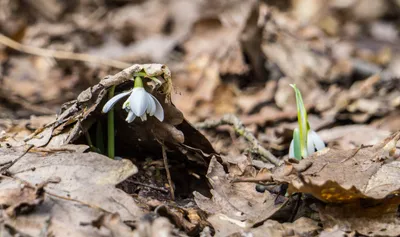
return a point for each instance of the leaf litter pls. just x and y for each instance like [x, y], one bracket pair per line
[223, 57]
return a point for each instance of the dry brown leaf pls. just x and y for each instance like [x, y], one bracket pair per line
[301, 227]
[268, 114]
[352, 136]
[29, 79]
[367, 220]
[213, 49]
[188, 219]
[13, 132]
[390, 122]
[238, 201]
[294, 57]
[340, 176]
[82, 188]
[228, 227]
[113, 223]
[249, 99]
[158, 227]
[336, 232]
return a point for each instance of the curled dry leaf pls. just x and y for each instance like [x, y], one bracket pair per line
[80, 115]
[21, 199]
[113, 223]
[189, 219]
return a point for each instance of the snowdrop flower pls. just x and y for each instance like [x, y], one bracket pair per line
[305, 141]
[139, 103]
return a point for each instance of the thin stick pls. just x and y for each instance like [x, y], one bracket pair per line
[232, 120]
[353, 154]
[165, 159]
[61, 54]
[111, 139]
[76, 200]
[148, 186]
[8, 165]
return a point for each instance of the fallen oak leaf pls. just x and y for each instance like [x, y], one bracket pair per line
[237, 201]
[113, 223]
[25, 199]
[366, 219]
[85, 189]
[225, 226]
[19, 200]
[338, 176]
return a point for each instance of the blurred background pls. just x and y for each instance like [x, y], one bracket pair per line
[225, 56]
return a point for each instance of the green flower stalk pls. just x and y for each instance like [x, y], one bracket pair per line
[305, 141]
[110, 128]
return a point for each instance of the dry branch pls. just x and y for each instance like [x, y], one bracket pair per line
[61, 54]
[240, 129]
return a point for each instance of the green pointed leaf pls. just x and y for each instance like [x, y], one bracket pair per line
[296, 144]
[301, 120]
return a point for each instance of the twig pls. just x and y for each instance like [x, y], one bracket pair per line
[354, 153]
[148, 186]
[232, 120]
[76, 200]
[61, 54]
[165, 159]
[8, 165]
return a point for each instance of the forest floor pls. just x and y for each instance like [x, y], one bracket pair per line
[217, 163]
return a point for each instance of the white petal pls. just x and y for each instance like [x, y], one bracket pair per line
[143, 117]
[138, 101]
[114, 100]
[159, 114]
[125, 106]
[310, 143]
[131, 117]
[151, 109]
[291, 149]
[318, 143]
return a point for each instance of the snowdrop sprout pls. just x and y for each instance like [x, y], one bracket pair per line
[305, 141]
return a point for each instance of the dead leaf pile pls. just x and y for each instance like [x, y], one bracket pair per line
[61, 192]
[60, 58]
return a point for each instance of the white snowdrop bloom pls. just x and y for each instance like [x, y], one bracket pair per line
[139, 104]
[314, 142]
